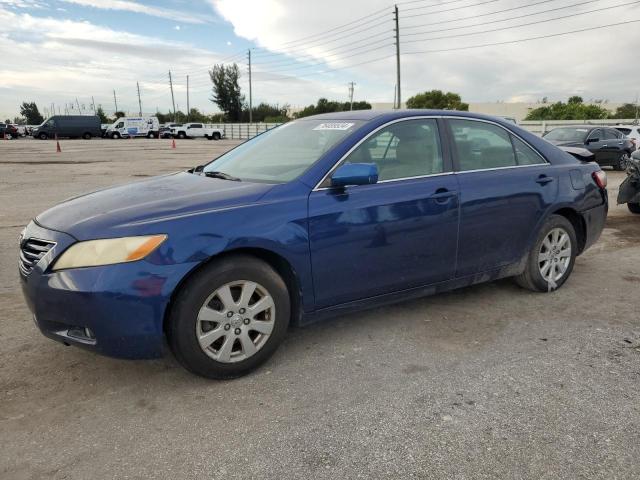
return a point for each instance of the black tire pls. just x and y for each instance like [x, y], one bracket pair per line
[115, 135]
[208, 137]
[532, 278]
[621, 162]
[634, 208]
[216, 136]
[182, 326]
[86, 136]
[150, 135]
[182, 135]
[43, 136]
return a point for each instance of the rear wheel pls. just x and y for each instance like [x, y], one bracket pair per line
[621, 162]
[551, 260]
[86, 136]
[216, 136]
[229, 317]
[150, 135]
[634, 207]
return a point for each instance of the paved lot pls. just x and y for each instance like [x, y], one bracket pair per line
[486, 382]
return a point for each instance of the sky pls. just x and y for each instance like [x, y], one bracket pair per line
[60, 53]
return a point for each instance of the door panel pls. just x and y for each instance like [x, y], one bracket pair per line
[375, 239]
[505, 189]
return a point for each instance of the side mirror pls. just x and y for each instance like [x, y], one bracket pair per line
[355, 174]
[592, 140]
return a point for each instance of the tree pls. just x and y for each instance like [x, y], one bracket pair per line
[575, 99]
[330, 106]
[103, 116]
[266, 113]
[226, 92]
[29, 110]
[119, 115]
[437, 99]
[628, 110]
[571, 110]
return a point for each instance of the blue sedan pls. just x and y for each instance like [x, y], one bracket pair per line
[318, 217]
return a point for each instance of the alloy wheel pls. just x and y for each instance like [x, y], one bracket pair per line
[235, 321]
[554, 256]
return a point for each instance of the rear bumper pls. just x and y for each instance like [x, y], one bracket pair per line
[123, 305]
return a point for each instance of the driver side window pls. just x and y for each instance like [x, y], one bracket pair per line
[402, 150]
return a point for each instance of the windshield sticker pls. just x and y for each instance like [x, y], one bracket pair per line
[334, 126]
[582, 130]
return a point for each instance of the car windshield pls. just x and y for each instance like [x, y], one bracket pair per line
[283, 153]
[567, 134]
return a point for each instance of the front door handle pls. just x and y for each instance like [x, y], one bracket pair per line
[605, 145]
[443, 195]
[543, 179]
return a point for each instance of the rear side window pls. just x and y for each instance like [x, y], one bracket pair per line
[626, 131]
[610, 134]
[525, 155]
[481, 145]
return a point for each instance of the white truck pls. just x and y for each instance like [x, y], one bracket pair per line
[197, 130]
[126, 127]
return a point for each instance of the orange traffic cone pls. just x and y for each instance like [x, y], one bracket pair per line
[58, 149]
[173, 143]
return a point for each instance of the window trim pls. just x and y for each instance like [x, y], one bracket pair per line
[454, 150]
[445, 151]
[601, 138]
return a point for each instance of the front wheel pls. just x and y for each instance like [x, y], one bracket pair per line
[634, 207]
[182, 135]
[621, 162]
[43, 136]
[229, 318]
[115, 135]
[551, 260]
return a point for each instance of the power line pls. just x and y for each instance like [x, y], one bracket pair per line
[504, 19]
[472, 47]
[538, 22]
[459, 19]
[446, 10]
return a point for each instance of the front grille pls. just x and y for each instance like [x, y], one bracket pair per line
[31, 251]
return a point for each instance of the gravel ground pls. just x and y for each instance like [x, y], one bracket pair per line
[489, 381]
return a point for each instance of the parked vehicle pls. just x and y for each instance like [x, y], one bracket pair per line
[632, 132]
[127, 127]
[609, 146]
[197, 130]
[165, 130]
[8, 131]
[71, 126]
[320, 216]
[629, 191]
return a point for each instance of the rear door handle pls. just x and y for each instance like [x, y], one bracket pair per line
[605, 145]
[443, 195]
[543, 179]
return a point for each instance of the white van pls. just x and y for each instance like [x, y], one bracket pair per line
[126, 127]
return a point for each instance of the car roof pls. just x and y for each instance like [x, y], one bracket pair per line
[386, 115]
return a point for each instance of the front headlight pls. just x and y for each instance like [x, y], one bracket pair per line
[108, 251]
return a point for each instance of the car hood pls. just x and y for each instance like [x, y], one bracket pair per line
[107, 213]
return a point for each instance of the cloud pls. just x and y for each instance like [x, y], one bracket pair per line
[154, 10]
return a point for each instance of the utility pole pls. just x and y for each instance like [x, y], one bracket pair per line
[397, 30]
[78, 103]
[139, 101]
[93, 103]
[115, 100]
[250, 91]
[172, 97]
[636, 119]
[188, 110]
[351, 84]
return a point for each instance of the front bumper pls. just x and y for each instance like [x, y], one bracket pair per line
[122, 305]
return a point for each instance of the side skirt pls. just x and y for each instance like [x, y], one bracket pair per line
[409, 294]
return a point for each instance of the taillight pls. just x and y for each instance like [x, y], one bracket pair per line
[600, 178]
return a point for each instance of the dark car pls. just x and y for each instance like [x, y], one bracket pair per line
[165, 131]
[318, 217]
[8, 131]
[70, 126]
[610, 146]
